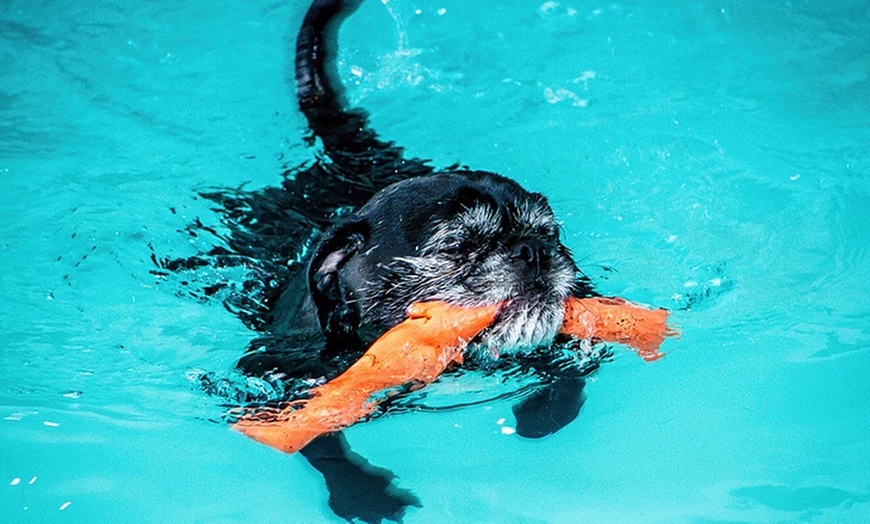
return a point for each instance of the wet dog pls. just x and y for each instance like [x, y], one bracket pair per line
[335, 256]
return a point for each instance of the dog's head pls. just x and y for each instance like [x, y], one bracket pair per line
[468, 238]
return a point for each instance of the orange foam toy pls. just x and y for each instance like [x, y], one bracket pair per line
[416, 351]
[618, 321]
[419, 349]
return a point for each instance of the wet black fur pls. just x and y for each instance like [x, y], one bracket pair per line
[283, 236]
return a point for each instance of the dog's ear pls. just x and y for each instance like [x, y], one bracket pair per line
[338, 313]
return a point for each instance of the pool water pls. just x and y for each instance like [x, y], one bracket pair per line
[712, 157]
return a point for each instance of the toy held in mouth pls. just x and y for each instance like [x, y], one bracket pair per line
[618, 321]
[418, 350]
[415, 352]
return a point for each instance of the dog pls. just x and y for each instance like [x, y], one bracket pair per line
[336, 255]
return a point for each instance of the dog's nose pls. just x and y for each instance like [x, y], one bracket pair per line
[531, 252]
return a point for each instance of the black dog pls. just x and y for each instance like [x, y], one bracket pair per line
[337, 254]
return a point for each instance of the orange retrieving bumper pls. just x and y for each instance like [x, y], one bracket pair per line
[419, 349]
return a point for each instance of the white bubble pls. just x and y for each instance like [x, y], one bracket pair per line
[548, 7]
[587, 75]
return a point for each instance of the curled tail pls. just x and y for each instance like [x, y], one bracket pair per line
[317, 86]
[358, 157]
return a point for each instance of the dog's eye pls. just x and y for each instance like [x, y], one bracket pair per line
[456, 247]
[459, 247]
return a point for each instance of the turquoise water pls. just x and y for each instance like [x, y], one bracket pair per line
[710, 157]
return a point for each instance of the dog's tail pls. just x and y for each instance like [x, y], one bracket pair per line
[317, 86]
[347, 139]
